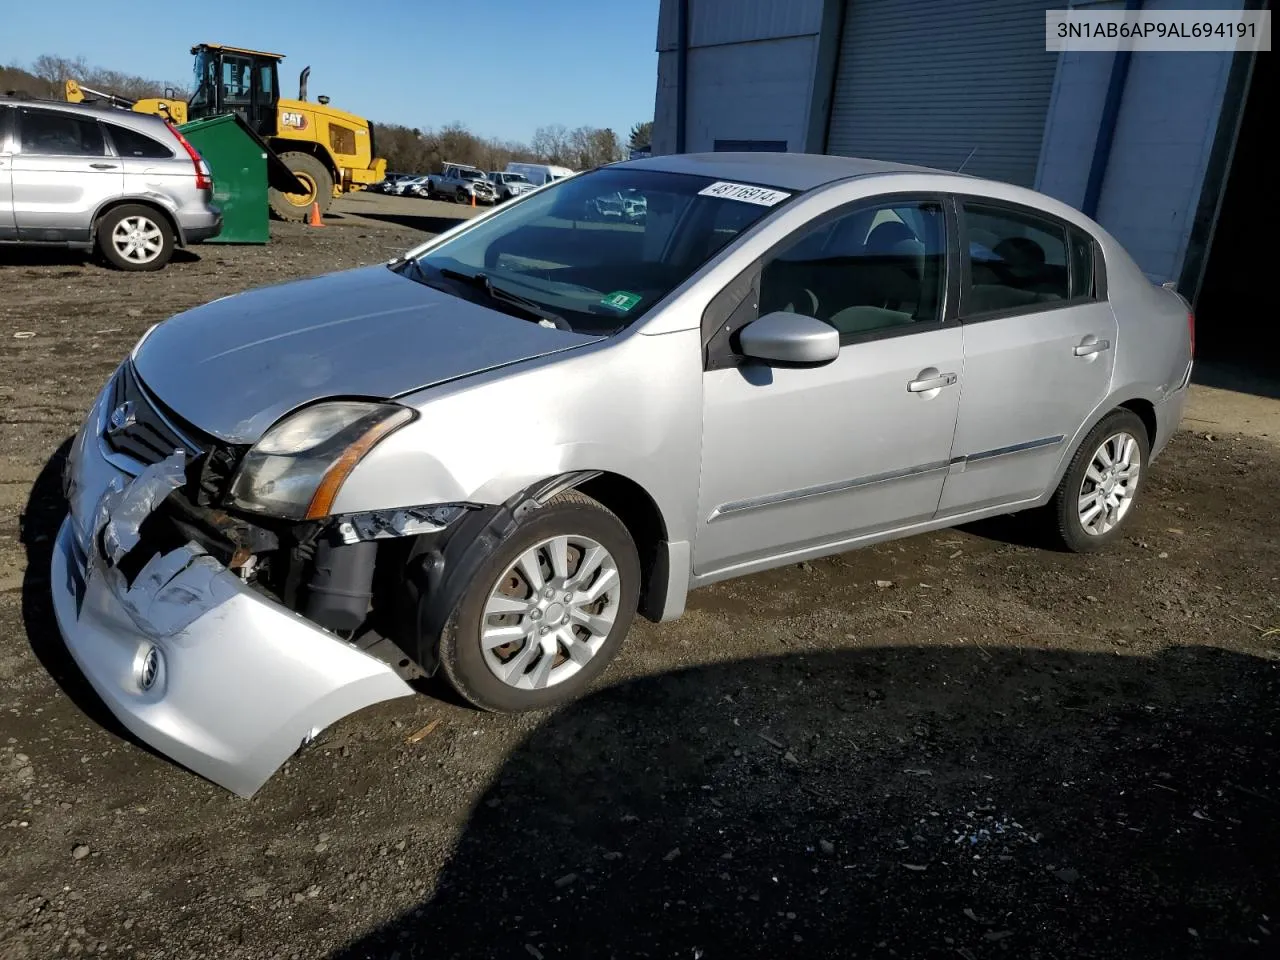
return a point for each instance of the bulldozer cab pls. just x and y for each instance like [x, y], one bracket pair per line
[236, 80]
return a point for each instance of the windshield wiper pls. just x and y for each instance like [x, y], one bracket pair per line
[531, 307]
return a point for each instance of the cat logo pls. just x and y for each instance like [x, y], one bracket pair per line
[294, 119]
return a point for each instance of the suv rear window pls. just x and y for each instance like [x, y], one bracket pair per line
[130, 143]
[56, 134]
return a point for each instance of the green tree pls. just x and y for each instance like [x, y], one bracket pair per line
[641, 135]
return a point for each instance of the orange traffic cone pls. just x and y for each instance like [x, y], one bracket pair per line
[473, 199]
[314, 220]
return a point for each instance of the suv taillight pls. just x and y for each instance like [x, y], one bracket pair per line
[1191, 329]
[204, 180]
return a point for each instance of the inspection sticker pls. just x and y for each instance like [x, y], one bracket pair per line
[622, 300]
[762, 196]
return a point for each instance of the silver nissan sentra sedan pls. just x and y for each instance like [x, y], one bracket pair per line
[485, 457]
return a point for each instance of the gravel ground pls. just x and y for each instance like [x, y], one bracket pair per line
[957, 745]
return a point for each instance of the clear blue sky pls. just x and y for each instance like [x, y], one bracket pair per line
[502, 67]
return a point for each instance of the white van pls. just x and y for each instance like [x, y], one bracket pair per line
[539, 173]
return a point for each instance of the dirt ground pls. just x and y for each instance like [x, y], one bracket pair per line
[958, 745]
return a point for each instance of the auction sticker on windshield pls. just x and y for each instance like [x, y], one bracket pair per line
[622, 300]
[744, 192]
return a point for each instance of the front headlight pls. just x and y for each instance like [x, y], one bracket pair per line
[298, 466]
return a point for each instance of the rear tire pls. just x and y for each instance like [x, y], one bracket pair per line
[582, 616]
[1095, 499]
[135, 237]
[315, 176]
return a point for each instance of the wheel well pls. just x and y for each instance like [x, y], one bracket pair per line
[130, 202]
[643, 520]
[308, 147]
[1146, 412]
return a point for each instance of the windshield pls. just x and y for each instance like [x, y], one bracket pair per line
[598, 264]
[203, 81]
[470, 174]
[515, 178]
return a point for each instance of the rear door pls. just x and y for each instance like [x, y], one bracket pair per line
[8, 231]
[62, 173]
[1039, 348]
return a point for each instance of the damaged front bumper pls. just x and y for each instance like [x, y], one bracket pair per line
[193, 661]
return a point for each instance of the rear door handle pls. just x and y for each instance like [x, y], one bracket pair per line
[1089, 348]
[103, 166]
[931, 383]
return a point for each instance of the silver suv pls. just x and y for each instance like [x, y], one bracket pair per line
[488, 456]
[82, 176]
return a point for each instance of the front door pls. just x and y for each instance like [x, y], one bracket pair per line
[797, 461]
[62, 174]
[1039, 346]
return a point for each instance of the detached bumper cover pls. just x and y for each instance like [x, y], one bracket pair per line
[237, 682]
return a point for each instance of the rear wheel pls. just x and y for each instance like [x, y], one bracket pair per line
[134, 237]
[1097, 494]
[546, 612]
[316, 180]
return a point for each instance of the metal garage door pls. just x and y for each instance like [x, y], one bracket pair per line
[928, 81]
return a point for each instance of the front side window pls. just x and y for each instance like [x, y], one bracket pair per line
[573, 252]
[875, 268]
[55, 134]
[1017, 260]
[130, 143]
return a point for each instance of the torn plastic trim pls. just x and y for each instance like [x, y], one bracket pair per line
[398, 522]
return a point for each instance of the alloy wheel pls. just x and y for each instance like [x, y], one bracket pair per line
[1110, 483]
[550, 612]
[138, 239]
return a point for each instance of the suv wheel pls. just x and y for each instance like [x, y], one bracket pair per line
[134, 237]
[1098, 492]
[546, 611]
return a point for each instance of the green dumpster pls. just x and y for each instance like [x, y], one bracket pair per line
[237, 159]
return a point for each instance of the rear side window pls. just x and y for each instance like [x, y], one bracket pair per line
[56, 134]
[1017, 260]
[1082, 283]
[130, 143]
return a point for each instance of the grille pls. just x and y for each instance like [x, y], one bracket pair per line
[136, 427]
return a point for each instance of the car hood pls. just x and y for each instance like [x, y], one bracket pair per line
[233, 367]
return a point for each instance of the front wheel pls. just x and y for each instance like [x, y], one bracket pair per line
[1097, 494]
[317, 185]
[547, 610]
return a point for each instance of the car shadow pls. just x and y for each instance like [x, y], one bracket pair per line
[16, 255]
[37, 530]
[879, 802]
[425, 224]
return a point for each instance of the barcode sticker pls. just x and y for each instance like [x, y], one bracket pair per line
[746, 193]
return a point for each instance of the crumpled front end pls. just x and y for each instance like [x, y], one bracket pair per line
[190, 657]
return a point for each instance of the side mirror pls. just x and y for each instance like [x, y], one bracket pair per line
[790, 339]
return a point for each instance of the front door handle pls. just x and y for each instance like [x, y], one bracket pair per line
[103, 166]
[1090, 347]
[936, 382]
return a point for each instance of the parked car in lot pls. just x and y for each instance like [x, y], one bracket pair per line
[487, 456]
[126, 183]
[508, 186]
[539, 173]
[389, 182]
[460, 182]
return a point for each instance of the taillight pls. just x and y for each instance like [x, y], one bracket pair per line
[204, 180]
[1191, 329]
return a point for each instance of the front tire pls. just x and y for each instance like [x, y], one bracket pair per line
[315, 177]
[134, 237]
[1095, 499]
[547, 610]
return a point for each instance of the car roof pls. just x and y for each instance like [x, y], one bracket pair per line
[790, 171]
[126, 118]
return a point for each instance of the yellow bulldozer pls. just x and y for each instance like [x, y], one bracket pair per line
[328, 151]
